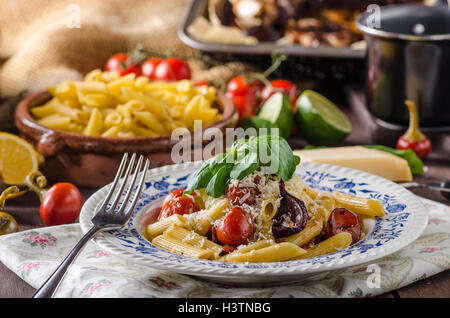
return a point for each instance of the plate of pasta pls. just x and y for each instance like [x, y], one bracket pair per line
[256, 222]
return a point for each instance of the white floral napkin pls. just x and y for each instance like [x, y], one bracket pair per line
[34, 255]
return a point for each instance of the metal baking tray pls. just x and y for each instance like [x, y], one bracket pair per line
[302, 62]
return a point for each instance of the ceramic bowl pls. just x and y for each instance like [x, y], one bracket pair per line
[93, 161]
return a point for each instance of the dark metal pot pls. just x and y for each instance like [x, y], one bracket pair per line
[408, 57]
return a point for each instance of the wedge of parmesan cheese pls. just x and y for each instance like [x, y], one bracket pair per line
[373, 161]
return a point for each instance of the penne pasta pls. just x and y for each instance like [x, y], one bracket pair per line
[369, 207]
[157, 228]
[312, 229]
[193, 239]
[273, 253]
[179, 247]
[333, 244]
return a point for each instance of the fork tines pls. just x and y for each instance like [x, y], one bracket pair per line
[126, 186]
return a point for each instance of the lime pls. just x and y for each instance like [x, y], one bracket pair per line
[277, 110]
[258, 124]
[320, 121]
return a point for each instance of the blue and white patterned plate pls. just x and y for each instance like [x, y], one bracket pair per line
[405, 219]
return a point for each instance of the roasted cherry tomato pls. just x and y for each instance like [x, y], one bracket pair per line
[283, 85]
[343, 220]
[7, 223]
[172, 69]
[61, 204]
[178, 205]
[121, 62]
[241, 195]
[235, 228]
[172, 195]
[149, 66]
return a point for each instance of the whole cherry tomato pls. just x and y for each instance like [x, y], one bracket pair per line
[281, 85]
[172, 69]
[172, 195]
[149, 66]
[343, 220]
[121, 62]
[235, 228]
[178, 205]
[240, 85]
[61, 204]
[245, 104]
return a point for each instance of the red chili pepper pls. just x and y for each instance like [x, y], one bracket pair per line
[414, 139]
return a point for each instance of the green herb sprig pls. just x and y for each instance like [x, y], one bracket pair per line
[270, 153]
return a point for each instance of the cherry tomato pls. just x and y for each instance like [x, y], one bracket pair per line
[173, 69]
[240, 85]
[178, 205]
[278, 85]
[121, 62]
[343, 220]
[61, 204]
[149, 66]
[235, 228]
[241, 195]
[172, 195]
[245, 104]
[202, 83]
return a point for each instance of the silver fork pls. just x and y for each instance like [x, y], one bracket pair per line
[104, 219]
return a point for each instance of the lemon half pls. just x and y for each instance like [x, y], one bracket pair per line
[17, 159]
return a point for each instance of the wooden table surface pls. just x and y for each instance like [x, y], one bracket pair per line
[26, 208]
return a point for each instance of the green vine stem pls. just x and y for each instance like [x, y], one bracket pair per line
[36, 182]
[7, 194]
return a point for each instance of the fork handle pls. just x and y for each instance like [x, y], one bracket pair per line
[52, 283]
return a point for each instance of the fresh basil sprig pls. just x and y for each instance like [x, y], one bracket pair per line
[271, 153]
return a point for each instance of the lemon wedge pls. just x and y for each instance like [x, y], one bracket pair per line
[17, 159]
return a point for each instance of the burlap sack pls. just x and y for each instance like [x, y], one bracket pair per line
[42, 43]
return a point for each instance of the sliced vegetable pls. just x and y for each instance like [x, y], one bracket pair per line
[281, 85]
[277, 110]
[320, 121]
[291, 217]
[413, 138]
[343, 220]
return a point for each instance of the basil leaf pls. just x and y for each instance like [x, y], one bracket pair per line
[219, 182]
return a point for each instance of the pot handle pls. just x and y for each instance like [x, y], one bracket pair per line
[49, 144]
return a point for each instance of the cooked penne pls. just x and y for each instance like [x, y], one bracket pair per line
[146, 107]
[273, 253]
[179, 247]
[333, 244]
[157, 228]
[312, 229]
[369, 207]
[192, 238]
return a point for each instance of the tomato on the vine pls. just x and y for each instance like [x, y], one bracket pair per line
[122, 63]
[172, 69]
[149, 66]
[235, 228]
[283, 85]
[177, 203]
[245, 95]
[61, 204]
[240, 85]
